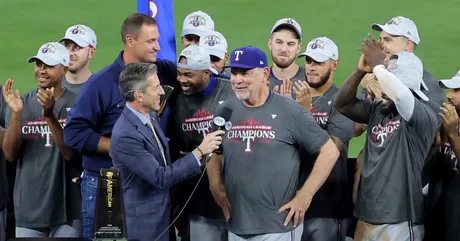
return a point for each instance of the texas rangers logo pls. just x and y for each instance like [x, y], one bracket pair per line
[78, 30]
[394, 21]
[250, 132]
[211, 40]
[380, 134]
[48, 49]
[317, 43]
[197, 21]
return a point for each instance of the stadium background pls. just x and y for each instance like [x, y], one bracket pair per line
[26, 24]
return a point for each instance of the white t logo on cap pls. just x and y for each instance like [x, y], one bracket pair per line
[237, 55]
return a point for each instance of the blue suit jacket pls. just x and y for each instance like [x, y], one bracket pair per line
[145, 179]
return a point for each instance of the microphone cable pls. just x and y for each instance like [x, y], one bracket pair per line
[208, 158]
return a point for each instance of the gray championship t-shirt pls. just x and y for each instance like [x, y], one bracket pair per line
[73, 169]
[74, 88]
[39, 189]
[333, 198]
[300, 75]
[262, 160]
[390, 189]
[193, 119]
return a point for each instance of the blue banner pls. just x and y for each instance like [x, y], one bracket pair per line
[163, 12]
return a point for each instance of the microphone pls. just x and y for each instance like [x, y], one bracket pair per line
[222, 123]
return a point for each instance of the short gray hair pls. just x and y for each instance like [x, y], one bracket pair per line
[133, 77]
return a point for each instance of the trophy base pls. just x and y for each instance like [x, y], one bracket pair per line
[109, 239]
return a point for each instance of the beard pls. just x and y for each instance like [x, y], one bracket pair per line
[282, 63]
[323, 80]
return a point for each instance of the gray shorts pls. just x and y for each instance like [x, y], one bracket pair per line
[293, 235]
[404, 231]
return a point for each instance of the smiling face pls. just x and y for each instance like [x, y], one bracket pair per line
[151, 95]
[393, 44]
[79, 56]
[48, 76]
[192, 81]
[248, 83]
[145, 45]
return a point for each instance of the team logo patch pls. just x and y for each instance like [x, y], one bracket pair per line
[212, 40]
[394, 21]
[78, 30]
[317, 44]
[197, 21]
[48, 49]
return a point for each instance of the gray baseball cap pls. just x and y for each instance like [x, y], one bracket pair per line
[52, 54]
[399, 26]
[197, 59]
[409, 69]
[453, 83]
[321, 50]
[288, 22]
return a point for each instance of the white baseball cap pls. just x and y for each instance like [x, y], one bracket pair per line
[197, 23]
[215, 43]
[52, 54]
[197, 59]
[321, 50]
[82, 35]
[409, 69]
[399, 26]
[290, 22]
[453, 83]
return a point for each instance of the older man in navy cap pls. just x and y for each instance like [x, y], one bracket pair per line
[261, 148]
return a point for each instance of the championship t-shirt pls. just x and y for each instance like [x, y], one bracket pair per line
[39, 190]
[300, 75]
[443, 215]
[193, 118]
[390, 189]
[334, 197]
[74, 88]
[261, 166]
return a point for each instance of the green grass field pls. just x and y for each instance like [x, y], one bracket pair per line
[26, 24]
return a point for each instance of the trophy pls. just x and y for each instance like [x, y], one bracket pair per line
[109, 220]
[164, 99]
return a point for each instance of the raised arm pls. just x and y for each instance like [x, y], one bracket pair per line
[397, 91]
[13, 137]
[346, 101]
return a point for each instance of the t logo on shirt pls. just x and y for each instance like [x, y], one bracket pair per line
[381, 133]
[250, 132]
[36, 129]
[200, 122]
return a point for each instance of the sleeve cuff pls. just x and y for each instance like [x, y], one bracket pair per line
[197, 160]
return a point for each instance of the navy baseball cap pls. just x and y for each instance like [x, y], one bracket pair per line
[248, 58]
